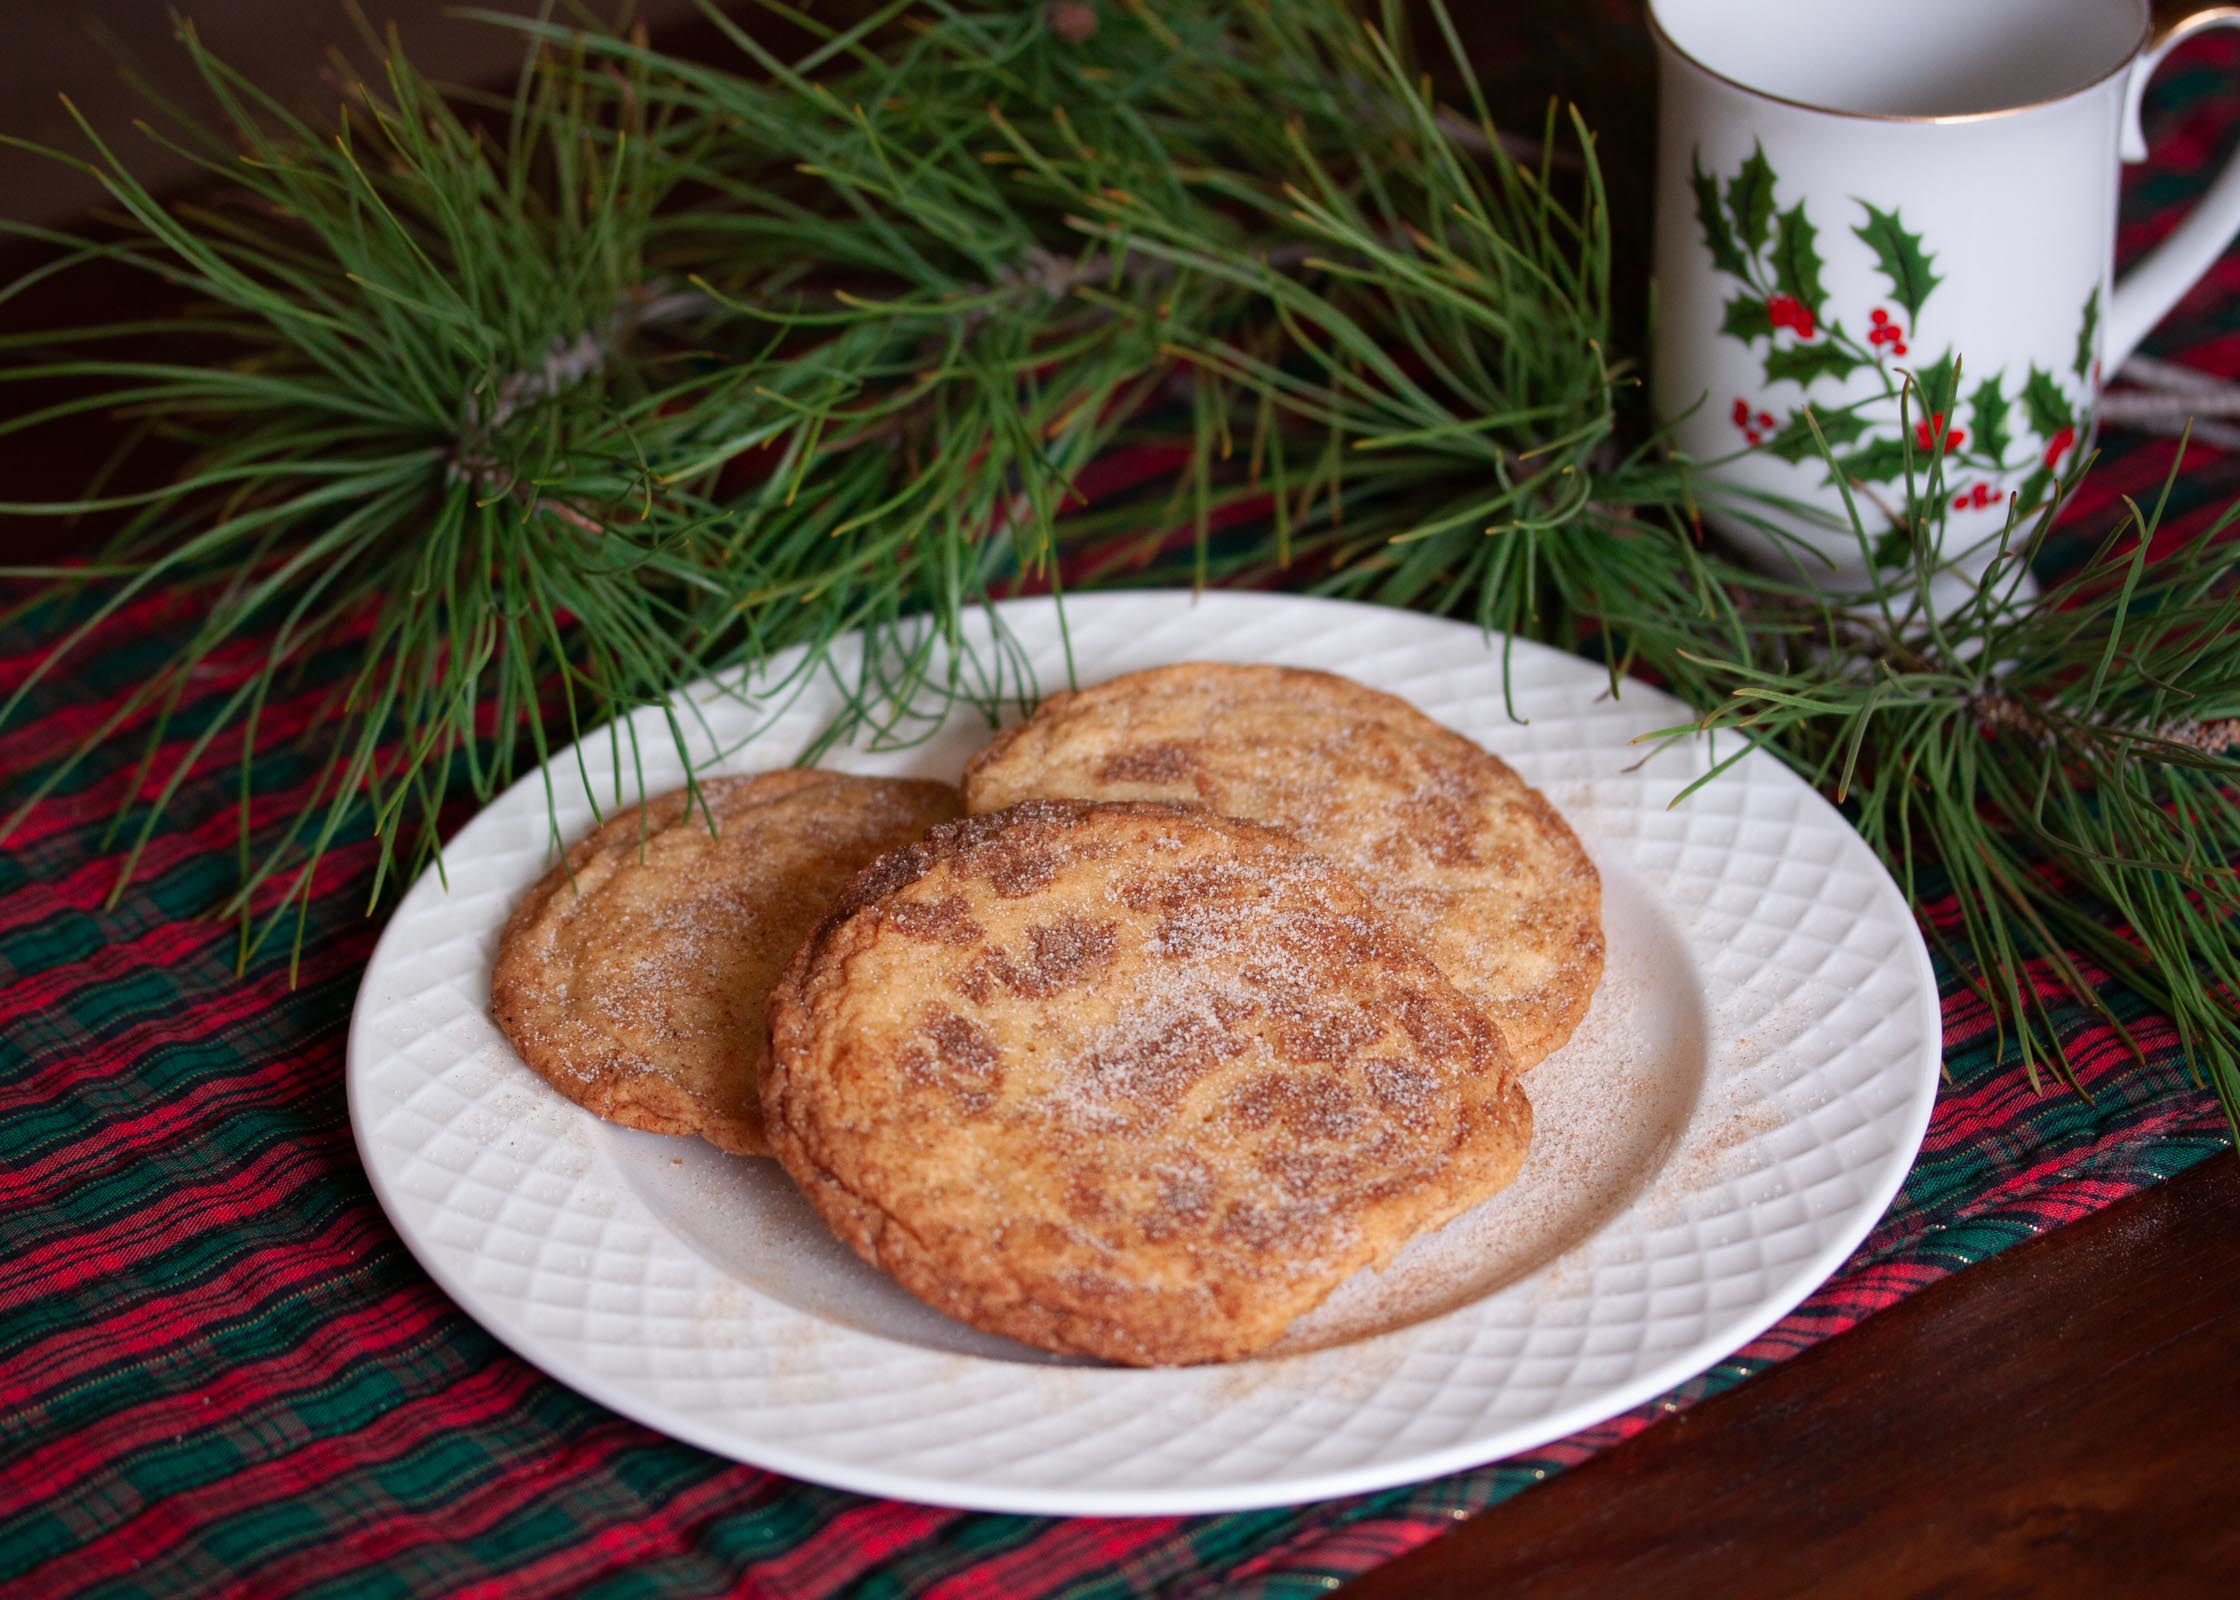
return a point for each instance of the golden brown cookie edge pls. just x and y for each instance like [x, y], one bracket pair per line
[603, 1082]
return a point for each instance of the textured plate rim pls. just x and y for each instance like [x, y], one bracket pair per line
[1739, 1326]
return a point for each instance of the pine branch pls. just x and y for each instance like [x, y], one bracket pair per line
[677, 364]
[2091, 729]
[446, 393]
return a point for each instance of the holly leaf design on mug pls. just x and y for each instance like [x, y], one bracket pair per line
[1899, 254]
[1802, 363]
[1937, 386]
[1750, 200]
[1894, 546]
[1713, 220]
[1882, 461]
[2048, 408]
[1747, 319]
[1987, 418]
[1873, 439]
[1795, 441]
[1796, 259]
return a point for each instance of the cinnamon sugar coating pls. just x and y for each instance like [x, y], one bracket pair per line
[632, 977]
[1134, 1081]
[1449, 842]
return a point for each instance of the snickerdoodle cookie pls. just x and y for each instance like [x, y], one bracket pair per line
[1135, 1081]
[1447, 840]
[632, 977]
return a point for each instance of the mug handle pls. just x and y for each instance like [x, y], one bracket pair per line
[2144, 295]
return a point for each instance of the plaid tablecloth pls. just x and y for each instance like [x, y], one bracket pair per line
[220, 1372]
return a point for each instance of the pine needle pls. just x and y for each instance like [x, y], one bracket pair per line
[514, 416]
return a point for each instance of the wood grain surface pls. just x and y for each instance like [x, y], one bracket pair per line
[2058, 1420]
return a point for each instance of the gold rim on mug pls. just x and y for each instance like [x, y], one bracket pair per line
[2172, 20]
[2162, 23]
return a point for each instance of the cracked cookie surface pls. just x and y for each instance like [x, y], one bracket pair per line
[1451, 844]
[1133, 1081]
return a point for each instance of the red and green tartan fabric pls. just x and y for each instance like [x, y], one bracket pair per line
[221, 1373]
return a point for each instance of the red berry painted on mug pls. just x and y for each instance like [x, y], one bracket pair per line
[1932, 431]
[2058, 446]
[1786, 311]
[1880, 317]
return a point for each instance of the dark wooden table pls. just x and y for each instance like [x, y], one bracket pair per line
[2059, 1420]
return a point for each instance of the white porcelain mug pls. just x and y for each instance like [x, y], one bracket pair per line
[1901, 215]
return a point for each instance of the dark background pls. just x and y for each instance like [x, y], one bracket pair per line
[86, 48]
[1595, 53]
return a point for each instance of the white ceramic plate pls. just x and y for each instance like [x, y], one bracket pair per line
[1743, 1100]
